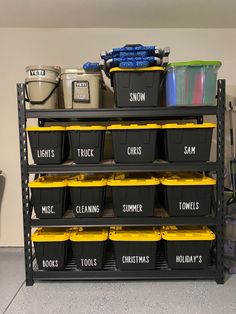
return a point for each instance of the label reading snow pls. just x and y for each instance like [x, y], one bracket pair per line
[132, 208]
[188, 259]
[189, 206]
[45, 153]
[137, 97]
[37, 72]
[47, 209]
[50, 263]
[189, 150]
[85, 152]
[131, 151]
[88, 262]
[138, 259]
[87, 209]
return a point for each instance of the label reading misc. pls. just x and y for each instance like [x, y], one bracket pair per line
[50, 263]
[188, 259]
[132, 208]
[47, 209]
[139, 259]
[81, 91]
[87, 209]
[37, 72]
[137, 97]
[131, 151]
[88, 262]
[189, 150]
[189, 205]
[85, 153]
[45, 153]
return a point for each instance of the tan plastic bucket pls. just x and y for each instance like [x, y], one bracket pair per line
[81, 90]
[41, 86]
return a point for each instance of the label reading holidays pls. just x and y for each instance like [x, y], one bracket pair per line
[188, 259]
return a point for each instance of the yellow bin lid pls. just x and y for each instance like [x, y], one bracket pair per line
[45, 128]
[190, 233]
[87, 181]
[129, 234]
[86, 128]
[133, 126]
[89, 235]
[188, 178]
[117, 69]
[48, 182]
[188, 126]
[50, 235]
[132, 180]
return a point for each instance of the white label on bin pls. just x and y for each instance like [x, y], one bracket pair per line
[81, 91]
[45, 153]
[85, 153]
[47, 209]
[139, 259]
[88, 262]
[189, 150]
[134, 151]
[85, 209]
[37, 73]
[189, 206]
[50, 263]
[132, 208]
[138, 97]
[188, 259]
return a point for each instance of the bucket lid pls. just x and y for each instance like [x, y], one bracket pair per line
[191, 233]
[86, 128]
[126, 179]
[188, 178]
[188, 126]
[80, 71]
[130, 234]
[50, 235]
[45, 128]
[55, 69]
[89, 235]
[133, 126]
[48, 182]
[87, 181]
[194, 63]
[117, 69]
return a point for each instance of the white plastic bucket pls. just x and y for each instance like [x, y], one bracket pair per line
[81, 90]
[41, 86]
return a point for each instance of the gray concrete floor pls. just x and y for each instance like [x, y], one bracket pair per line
[134, 297]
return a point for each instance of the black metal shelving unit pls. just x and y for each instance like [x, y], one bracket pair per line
[109, 272]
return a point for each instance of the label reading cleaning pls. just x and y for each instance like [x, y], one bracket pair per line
[137, 97]
[88, 262]
[50, 263]
[189, 150]
[132, 208]
[132, 151]
[189, 206]
[85, 153]
[45, 153]
[188, 259]
[139, 259]
[37, 72]
[48, 209]
[87, 209]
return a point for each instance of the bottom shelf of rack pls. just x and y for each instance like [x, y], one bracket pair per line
[110, 272]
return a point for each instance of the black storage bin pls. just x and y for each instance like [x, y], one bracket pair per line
[49, 196]
[185, 142]
[89, 246]
[187, 194]
[136, 87]
[134, 143]
[87, 195]
[51, 248]
[133, 195]
[188, 247]
[87, 143]
[49, 145]
[135, 249]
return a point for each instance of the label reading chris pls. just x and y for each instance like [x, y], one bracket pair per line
[188, 259]
[134, 151]
[37, 72]
[81, 91]
[45, 153]
[136, 259]
[137, 97]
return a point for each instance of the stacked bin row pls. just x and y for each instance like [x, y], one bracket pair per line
[135, 249]
[181, 194]
[132, 143]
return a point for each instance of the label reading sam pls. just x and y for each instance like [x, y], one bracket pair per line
[189, 150]
[81, 91]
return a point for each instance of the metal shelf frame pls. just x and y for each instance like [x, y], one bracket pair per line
[159, 113]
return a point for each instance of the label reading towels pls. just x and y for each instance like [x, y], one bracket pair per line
[81, 91]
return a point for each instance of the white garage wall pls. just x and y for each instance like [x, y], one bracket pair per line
[71, 48]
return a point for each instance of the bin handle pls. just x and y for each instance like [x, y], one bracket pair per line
[39, 102]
